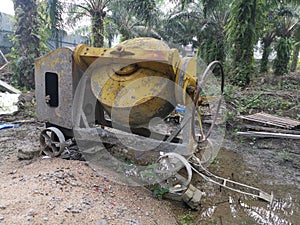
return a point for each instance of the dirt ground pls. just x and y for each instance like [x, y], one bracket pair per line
[57, 191]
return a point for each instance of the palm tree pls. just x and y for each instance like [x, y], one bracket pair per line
[286, 24]
[278, 24]
[26, 41]
[133, 20]
[96, 11]
[268, 33]
[181, 24]
[212, 33]
[143, 16]
[296, 49]
[242, 31]
[99, 10]
[267, 40]
[202, 24]
[55, 12]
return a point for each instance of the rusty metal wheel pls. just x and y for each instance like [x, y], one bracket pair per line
[168, 167]
[52, 142]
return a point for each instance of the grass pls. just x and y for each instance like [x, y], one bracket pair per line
[187, 219]
[274, 95]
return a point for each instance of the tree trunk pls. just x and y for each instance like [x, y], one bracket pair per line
[126, 35]
[283, 50]
[56, 38]
[264, 63]
[243, 34]
[26, 41]
[98, 29]
[295, 58]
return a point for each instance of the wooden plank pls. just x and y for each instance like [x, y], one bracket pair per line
[269, 129]
[284, 120]
[270, 121]
[265, 122]
[265, 118]
[10, 89]
[278, 118]
[268, 135]
[3, 56]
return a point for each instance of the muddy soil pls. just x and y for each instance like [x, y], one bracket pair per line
[267, 168]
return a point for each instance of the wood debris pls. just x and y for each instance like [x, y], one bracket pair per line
[272, 120]
[5, 87]
[270, 127]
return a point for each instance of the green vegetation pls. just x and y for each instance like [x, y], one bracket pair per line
[28, 40]
[271, 94]
[224, 30]
[187, 219]
[159, 191]
[55, 11]
[242, 23]
[296, 48]
[287, 20]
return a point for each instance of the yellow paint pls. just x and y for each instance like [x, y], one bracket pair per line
[189, 67]
[135, 81]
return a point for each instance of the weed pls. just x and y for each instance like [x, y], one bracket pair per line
[214, 161]
[263, 99]
[159, 191]
[284, 155]
[128, 161]
[187, 219]
[149, 175]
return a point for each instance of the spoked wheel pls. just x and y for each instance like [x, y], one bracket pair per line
[207, 101]
[167, 170]
[52, 142]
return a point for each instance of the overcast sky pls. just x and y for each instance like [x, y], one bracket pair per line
[7, 7]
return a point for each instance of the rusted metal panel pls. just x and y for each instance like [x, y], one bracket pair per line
[57, 63]
[123, 139]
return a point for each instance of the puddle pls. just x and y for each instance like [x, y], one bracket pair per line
[222, 206]
[270, 214]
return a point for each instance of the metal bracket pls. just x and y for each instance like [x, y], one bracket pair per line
[223, 182]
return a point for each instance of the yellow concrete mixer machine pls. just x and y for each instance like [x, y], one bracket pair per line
[141, 96]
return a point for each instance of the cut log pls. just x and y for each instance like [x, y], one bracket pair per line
[268, 135]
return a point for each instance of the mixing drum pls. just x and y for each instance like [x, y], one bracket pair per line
[135, 93]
